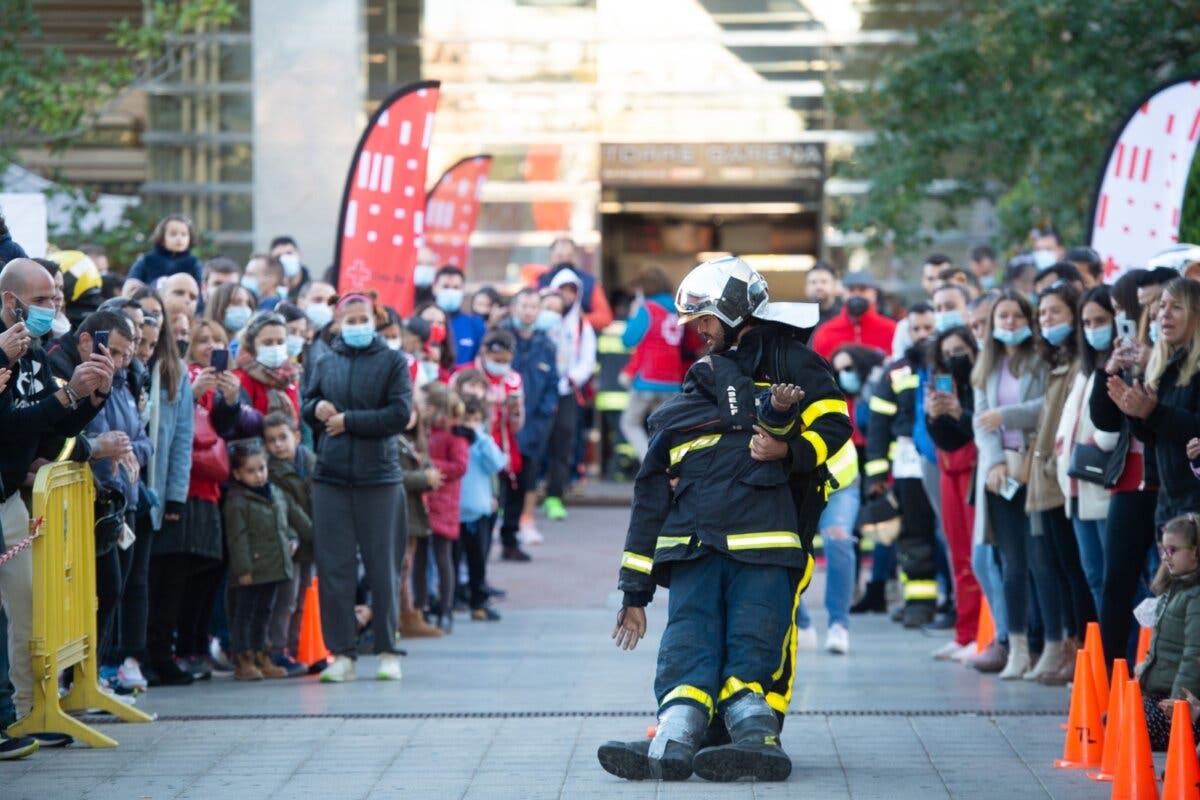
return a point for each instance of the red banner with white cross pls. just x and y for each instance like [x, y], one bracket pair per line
[382, 221]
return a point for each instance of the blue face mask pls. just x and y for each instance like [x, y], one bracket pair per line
[1155, 331]
[272, 356]
[1012, 338]
[1044, 258]
[1057, 334]
[945, 320]
[980, 344]
[495, 368]
[1099, 338]
[295, 345]
[358, 336]
[547, 320]
[850, 381]
[449, 300]
[250, 283]
[319, 314]
[521, 326]
[236, 317]
[38, 320]
[423, 275]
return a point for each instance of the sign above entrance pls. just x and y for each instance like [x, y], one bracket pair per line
[713, 164]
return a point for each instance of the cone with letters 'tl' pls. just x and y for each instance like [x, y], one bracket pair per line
[986, 631]
[1135, 763]
[1084, 745]
[1112, 725]
[1182, 781]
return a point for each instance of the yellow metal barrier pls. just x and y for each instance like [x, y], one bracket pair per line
[64, 608]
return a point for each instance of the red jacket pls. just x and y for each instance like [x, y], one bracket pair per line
[449, 454]
[658, 357]
[201, 489]
[505, 434]
[871, 329]
[258, 392]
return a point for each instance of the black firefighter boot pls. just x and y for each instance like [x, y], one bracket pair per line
[666, 757]
[874, 600]
[755, 751]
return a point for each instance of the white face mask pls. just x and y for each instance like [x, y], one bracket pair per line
[272, 356]
[60, 326]
[394, 344]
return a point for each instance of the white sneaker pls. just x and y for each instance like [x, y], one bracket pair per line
[339, 671]
[806, 638]
[947, 651]
[965, 653]
[389, 667]
[129, 675]
[837, 640]
[528, 534]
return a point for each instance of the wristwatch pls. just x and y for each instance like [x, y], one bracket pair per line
[72, 395]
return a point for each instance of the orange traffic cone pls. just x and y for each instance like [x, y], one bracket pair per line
[1135, 763]
[1084, 743]
[1112, 726]
[312, 643]
[986, 631]
[1095, 648]
[1182, 781]
[1144, 637]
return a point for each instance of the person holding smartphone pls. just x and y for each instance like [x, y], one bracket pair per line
[1009, 383]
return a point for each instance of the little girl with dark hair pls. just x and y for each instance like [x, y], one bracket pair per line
[173, 240]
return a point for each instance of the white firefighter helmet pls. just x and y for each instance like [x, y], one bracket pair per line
[1181, 257]
[727, 288]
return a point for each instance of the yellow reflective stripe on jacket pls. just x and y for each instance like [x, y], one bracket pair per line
[735, 685]
[667, 542]
[843, 467]
[910, 381]
[67, 448]
[784, 431]
[881, 406]
[920, 590]
[777, 700]
[689, 693]
[612, 401]
[637, 562]
[893, 448]
[699, 443]
[819, 408]
[818, 445]
[765, 539]
[878, 466]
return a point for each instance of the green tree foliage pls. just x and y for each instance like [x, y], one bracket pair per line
[1015, 102]
[50, 95]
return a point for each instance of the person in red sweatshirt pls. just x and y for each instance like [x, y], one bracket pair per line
[859, 321]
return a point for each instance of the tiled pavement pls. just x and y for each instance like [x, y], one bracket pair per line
[516, 710]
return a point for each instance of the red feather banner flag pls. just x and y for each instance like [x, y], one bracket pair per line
[452, 209]
[382, 221]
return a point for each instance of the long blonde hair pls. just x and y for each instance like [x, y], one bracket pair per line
[993, 352]
[1186, 291]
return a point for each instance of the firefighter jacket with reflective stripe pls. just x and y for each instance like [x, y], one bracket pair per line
[893, 414]
[722, 500]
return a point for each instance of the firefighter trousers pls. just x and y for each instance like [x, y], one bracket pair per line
[917, 545]
[731, 628]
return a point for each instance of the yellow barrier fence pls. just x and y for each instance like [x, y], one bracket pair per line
[64, 608]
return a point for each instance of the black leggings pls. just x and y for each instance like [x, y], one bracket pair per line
[561, 446]
[473, 538]
[1010, 531]
[1128, 537]
[1075, 604]
[514, 498]
[442, 550]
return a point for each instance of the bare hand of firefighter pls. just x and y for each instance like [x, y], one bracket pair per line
[630, 627]
[785, 395]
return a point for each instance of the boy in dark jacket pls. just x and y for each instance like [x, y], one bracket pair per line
[290, 468]
[259, 521]
[701, 503]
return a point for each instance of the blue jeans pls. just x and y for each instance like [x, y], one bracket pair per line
[840, 513]
[987, 572]
[1089, 533]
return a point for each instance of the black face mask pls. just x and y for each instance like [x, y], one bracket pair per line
[857, 306]
[182, 345]
[960, 368]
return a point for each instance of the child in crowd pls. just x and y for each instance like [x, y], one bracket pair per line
[173, 239]
[479, 504]
[448, 450]
[420, 476]
[261, 545]
[1171, 670]
[290, 469]
[505, 393]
